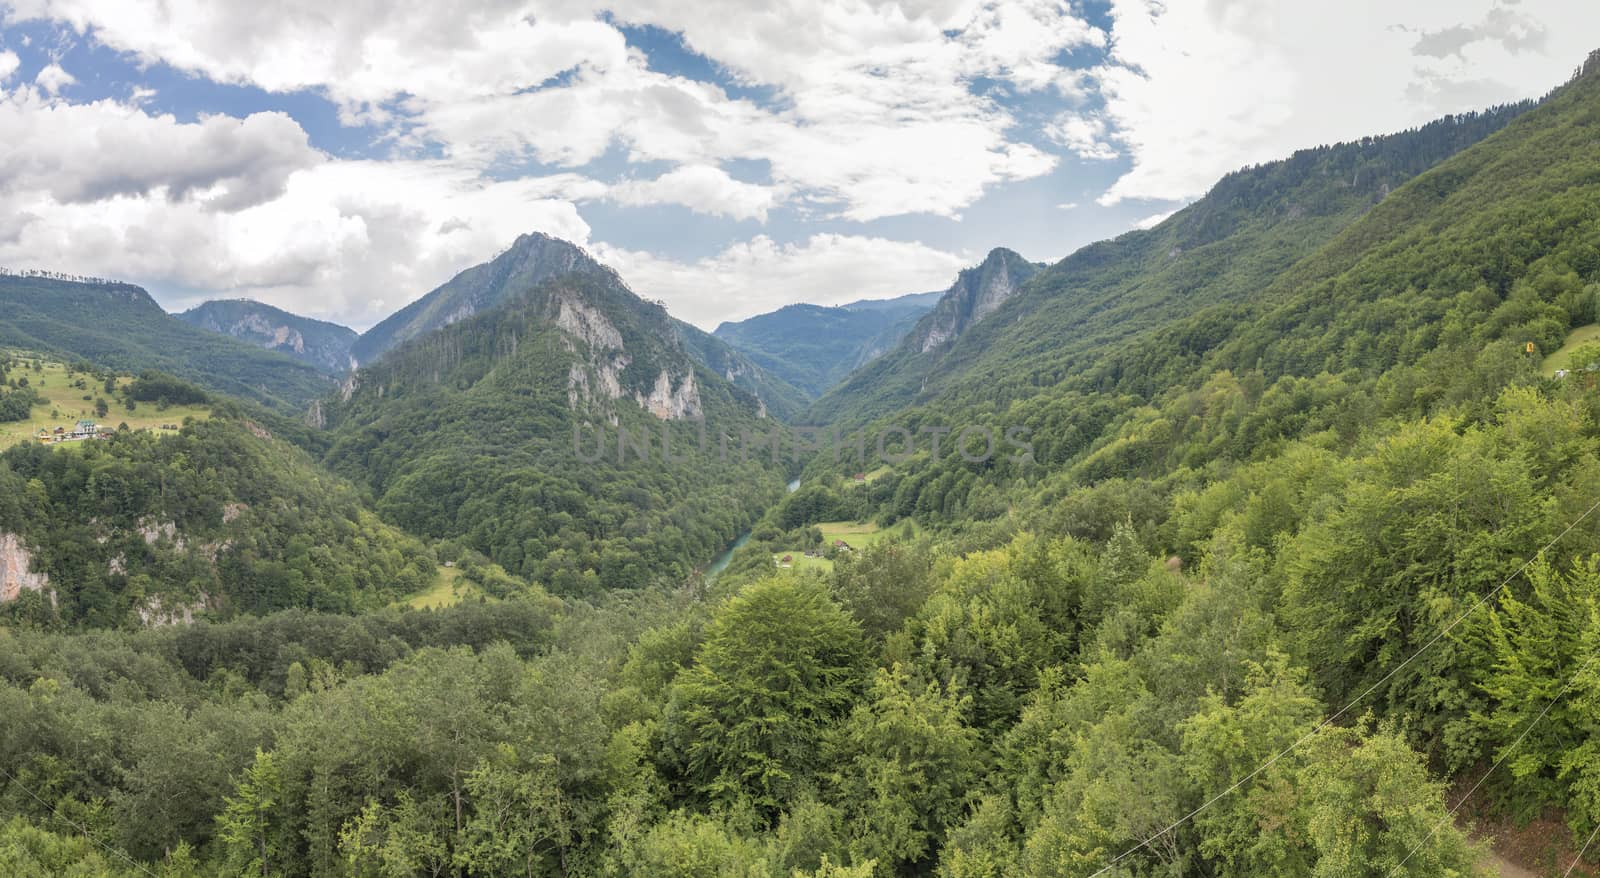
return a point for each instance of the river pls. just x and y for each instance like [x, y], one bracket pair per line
[720, 563]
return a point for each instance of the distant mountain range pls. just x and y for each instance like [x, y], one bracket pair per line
[813, 346]
[322, 344]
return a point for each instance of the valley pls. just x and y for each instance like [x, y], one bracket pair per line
[1290, 566]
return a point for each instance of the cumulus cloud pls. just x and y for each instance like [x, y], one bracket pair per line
[701, 188]
[1086, 136]
[94, 151]
[347, 241]
[1154, 220]
[875, 113]
[760, 275]
[53, 79]
[1194, 90]
[1515, 31]
[9, 62]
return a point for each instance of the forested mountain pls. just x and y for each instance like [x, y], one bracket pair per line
[322, 344]
[813, 346]
[1229, 246]
[469, 433]
[119, 326]
[1299, 580]
[532, 258]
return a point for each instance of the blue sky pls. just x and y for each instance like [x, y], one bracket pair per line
[340, 160]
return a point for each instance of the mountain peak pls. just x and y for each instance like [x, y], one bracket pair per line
[532, 258]
[977, 293]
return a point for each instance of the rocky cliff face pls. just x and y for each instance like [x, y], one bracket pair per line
[598, 377]
[976, 294]
[15, 570]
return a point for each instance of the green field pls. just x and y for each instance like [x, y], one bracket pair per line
[1580, 336]
[801, 562]
[858, 534]
[65, 405]
[449, 590]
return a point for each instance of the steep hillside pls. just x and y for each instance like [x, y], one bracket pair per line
[531, 259]
[1230, 246]
[813, 346]
[219, 519]
[319, 343]
[485, 432]
[779, 397]
[121, 327]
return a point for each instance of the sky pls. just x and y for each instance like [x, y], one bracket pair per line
[340, 159]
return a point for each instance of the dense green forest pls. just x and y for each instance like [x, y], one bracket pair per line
[220, 518]
[118, 326]
[1303, 572]
[17, 397]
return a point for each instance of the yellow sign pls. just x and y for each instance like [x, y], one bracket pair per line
[1530, 347]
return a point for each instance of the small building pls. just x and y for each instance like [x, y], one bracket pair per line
[842, 545]
[860, 477]
[788, 561]
[44, 436]
[84, 430]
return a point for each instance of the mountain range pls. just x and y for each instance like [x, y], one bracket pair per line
[812, 347]
[1298, 547]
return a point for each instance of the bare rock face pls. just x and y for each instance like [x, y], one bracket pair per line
[154, 613]
[316, 418]
[669, 402]
[15, 569]
[977, 293]
[582, 321]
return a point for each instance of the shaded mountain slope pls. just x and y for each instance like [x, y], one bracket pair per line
[317, 342]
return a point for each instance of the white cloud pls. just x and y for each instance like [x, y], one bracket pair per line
[53, 79]
[1154, 220]
[9, 62]
[701, 188]
[1086, 136]
[760, 275]
[94, 151]
[1198, 89]
[876, 115]
[231, 207]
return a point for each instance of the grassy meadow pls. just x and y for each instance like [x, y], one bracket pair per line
[70, 397]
